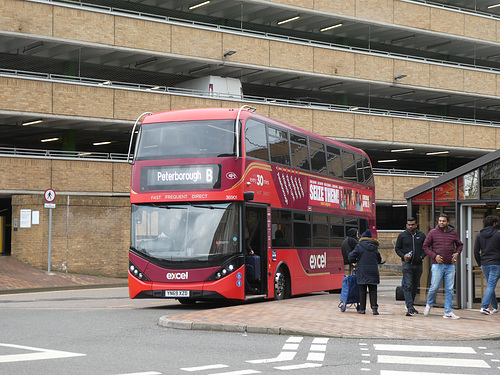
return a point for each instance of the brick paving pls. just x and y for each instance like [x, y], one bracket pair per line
[16, 277]
[316, 314]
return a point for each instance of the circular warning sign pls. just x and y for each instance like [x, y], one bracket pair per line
[49, 195]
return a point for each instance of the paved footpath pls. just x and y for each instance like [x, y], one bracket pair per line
[314, 315]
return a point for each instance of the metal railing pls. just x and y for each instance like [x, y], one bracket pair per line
[406, 173]
[116, 157]
[56, 154]
[261, 34]
[237, 98]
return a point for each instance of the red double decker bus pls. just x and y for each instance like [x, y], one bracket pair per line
[229, 204]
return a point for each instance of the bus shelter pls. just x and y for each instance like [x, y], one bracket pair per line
[467, 195]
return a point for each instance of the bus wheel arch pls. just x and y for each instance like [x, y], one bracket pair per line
[282, 283]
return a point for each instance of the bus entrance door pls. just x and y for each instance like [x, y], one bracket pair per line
[255, 227]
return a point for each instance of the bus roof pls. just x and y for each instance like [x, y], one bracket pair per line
[194, 114]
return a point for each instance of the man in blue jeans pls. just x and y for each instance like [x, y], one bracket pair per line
[487, 254]
[443, 247]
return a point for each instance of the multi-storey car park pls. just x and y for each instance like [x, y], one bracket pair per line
[413, 83]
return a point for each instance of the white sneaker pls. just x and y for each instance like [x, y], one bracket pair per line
[427, 309]
[450, 315]
[485, 311]
[494, 311]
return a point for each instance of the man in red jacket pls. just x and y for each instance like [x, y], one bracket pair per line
[443, 246]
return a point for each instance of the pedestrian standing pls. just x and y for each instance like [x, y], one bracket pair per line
[409, 248]
[487, 254]
[443, 246]
[348, 245]
[367, 256]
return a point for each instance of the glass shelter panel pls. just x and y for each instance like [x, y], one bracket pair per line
[490, 180]
[468, 185]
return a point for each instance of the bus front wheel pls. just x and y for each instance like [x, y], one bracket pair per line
[280, 285]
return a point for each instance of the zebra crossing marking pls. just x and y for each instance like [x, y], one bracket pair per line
[203, 368]
[452, 362]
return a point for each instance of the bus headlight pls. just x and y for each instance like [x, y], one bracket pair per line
[222, 272]
[136, 272]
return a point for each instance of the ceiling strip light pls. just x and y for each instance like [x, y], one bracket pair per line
[402, 39]
[288, 20]
[101, 143]
[329, 86]
[279, 83]
[438, 98]
[402, 94]
[402, 150]
[437, 153]
[387, 161]
[194, 6]
[50, 140]
[32, 122]
[493, 6]
[330, 27]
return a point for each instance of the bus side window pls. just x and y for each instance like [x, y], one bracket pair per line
[349, 166]
[336, 231]
[278, 146]
[318, 157]
[256, 140]
[368, 172]
[298, 148]
[301, 230]
[359, 168]
[320, 231]
[281, 221]
[334, 162]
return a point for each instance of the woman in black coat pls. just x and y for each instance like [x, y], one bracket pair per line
[367, 256]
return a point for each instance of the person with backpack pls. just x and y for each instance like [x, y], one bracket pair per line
[487, 255]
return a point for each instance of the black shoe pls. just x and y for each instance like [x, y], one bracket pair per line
[408, 313]
[375, 311]
[361, 311]
[413, 311]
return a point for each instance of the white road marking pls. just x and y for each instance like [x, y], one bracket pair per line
[239, 372]
[422, 349]
[39, 354]
[318, 348]
[298, 367]
[316, 357]
[283, 356]
[290, 346]
[389, 372]
[320, 340]
[456, 362]
[144, 373]
[202, 368]
[294, 339]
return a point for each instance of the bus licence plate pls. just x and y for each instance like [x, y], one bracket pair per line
[177, 293]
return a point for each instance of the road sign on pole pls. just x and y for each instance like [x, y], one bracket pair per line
[49, 196]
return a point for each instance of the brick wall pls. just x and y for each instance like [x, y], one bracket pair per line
[90, 235]
[90, 226]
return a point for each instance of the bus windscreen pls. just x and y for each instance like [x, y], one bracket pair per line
[185, 233]
[186, 139]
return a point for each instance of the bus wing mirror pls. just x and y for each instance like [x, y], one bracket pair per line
[248, 195]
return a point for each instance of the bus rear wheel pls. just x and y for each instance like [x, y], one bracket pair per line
[280, 285]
